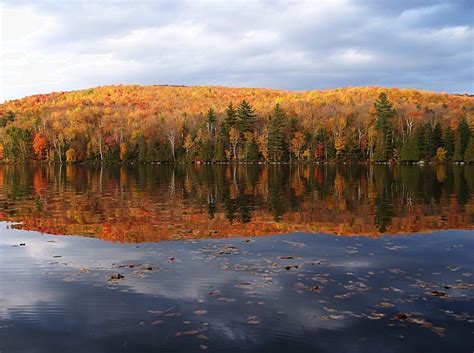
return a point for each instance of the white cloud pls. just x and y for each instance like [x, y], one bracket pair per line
[354, 56]
[297, 45]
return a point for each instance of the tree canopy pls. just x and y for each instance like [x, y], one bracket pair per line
[176, 123]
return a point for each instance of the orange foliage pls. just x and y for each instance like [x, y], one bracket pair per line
[39, 146]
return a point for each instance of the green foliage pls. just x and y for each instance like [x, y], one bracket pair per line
[410, 151]
[383, 123]
[17, 144]
[380, 153]
[211, 121]
[113, 155]
[251, 150]
[207, 151]
[448, 142]
[458, 156]
[429, 144]
[351, 148]
[230, 120]
[246, 117]
[469, 153]
[276, 134]
[6, 117]
[464, 133]
[219, 154]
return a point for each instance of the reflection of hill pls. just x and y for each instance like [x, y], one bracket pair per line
[155, 203]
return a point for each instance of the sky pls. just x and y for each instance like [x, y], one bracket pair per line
[51, 46]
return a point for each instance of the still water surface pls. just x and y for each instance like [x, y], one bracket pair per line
[234, 258]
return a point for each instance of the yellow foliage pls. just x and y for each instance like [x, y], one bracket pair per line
[123, 151]
[307, 153]
[441, 154]
[71, 155]
[339, 145]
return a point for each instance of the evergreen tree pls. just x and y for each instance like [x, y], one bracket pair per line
[437, 136]
[383, 123]
[276, 134]
[246, 117]
[469, 153]
[380, 153]
[219, 153]
[206, 152]
[464, 134]
[211, 122]
[410, 151]
[230, 119]
[421, 140]
[351, 147]
[457, 157]
[251, 150]
[448, 141]
[429, 145]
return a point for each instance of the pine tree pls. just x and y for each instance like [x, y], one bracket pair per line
[351, 147]
[457, 157]
[219, 153]
[276, 134]
[430, 144]
[211, 122]
[464, 134]
[469, 153]
[437, 136]
[448, 141]
[410, 151]
[246, 117]
[251, 149]
[380, 153]
[383, 123]
[206, 151]
[230, 119]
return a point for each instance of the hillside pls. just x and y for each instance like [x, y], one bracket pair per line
[175, 123]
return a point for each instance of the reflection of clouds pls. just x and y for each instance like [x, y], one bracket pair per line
[89, 305]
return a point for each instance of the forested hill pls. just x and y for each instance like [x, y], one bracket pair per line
[176, 123]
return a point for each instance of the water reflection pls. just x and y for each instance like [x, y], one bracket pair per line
[298, 292]
[164, 202]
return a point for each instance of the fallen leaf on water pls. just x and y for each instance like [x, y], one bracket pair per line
[116, 277]
[375, 316]
[332, 317]
[401, 316]
[191, 332]
[438, 294]
[253, 320]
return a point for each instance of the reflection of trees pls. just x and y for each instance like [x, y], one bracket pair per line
[382, 179]
[147, 201]
[277, 177]
[461, 187]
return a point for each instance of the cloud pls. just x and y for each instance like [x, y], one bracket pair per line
[48, 46]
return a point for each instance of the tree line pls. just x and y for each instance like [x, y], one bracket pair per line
[73, 128]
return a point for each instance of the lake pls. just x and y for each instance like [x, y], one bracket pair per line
[228, 258]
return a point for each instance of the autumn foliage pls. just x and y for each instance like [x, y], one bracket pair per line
[216, 124]
[168, 202]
